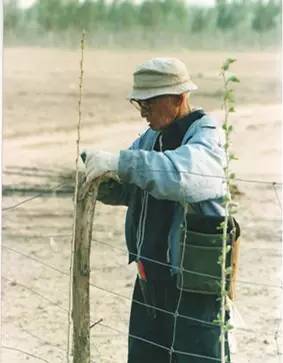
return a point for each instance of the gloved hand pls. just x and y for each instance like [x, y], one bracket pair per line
[100, 163]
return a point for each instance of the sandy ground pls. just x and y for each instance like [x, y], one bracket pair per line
[40, 115]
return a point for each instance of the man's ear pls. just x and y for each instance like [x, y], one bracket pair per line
[181, 99]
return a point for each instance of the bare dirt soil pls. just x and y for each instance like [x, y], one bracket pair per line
[39, 133]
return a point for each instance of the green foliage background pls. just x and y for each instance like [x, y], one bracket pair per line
[234, 24]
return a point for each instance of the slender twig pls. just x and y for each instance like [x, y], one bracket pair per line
[76, 190]
[96, 323]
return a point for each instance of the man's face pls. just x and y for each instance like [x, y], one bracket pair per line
[159, 111]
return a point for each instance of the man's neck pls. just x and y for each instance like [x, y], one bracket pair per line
[184, 110]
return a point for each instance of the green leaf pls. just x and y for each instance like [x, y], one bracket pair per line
[228, 95]
[228, 249]
[230, 99]
[228, 270]
[226, 199]
[233, 78]
[227, 327]
[233, 157]
[227, 63]
[221, 226]
[216, 321]
[231, 109]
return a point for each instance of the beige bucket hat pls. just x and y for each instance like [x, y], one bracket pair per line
[161, 76]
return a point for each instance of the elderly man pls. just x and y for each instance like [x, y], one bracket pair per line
[171, 180]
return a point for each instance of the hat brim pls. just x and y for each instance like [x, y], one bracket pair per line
[146, 93]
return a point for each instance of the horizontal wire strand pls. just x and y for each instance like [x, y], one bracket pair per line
[35, 293]
[24, 352]
[147, 259]
[183, 269]
[38, 195]
[41, 340]
[243, 180]
[130, 299]
[122, 296]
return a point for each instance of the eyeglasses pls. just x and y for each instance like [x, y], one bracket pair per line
[144, 104]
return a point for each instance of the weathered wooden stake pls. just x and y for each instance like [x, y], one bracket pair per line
[86, 199]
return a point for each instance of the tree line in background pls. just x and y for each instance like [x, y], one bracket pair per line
[230, 23]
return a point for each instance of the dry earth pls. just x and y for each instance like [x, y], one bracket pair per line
[39, 133]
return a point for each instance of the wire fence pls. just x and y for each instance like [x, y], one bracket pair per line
[113, 293]
[118, 295]
[119, 332]
[273, 184]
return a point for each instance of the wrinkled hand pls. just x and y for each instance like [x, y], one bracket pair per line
[100, 163]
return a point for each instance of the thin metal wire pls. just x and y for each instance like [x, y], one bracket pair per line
[176, 314]
[243, 180]
[33, 197]
[147, 259]
[24, 352]
[186, 270]
[117, 295]
[41, 340]
[35, 259]
[127, 298]
[150, 306]
[161, 346]
[120, 295]
[277, 196]
[180, 315]
[114, 294]
[35, 293]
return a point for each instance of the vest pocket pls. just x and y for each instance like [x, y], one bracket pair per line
[199, 263]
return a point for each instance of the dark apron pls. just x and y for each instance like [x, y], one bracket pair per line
[191, 336]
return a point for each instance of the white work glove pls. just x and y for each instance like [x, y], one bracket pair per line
[100, 163]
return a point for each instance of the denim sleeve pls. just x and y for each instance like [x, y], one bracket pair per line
[191, 173]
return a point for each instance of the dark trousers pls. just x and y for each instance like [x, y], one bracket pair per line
[189, 336]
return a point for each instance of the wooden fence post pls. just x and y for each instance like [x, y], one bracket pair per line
[86, 198]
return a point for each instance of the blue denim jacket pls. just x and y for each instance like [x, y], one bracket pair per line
[190, 175]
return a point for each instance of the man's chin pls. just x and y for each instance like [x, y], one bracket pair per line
[153, 127]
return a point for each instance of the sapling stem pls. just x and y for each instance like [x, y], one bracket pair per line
[228, 106]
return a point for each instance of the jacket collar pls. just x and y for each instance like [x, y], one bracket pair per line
[182, 124]
[173, 135]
